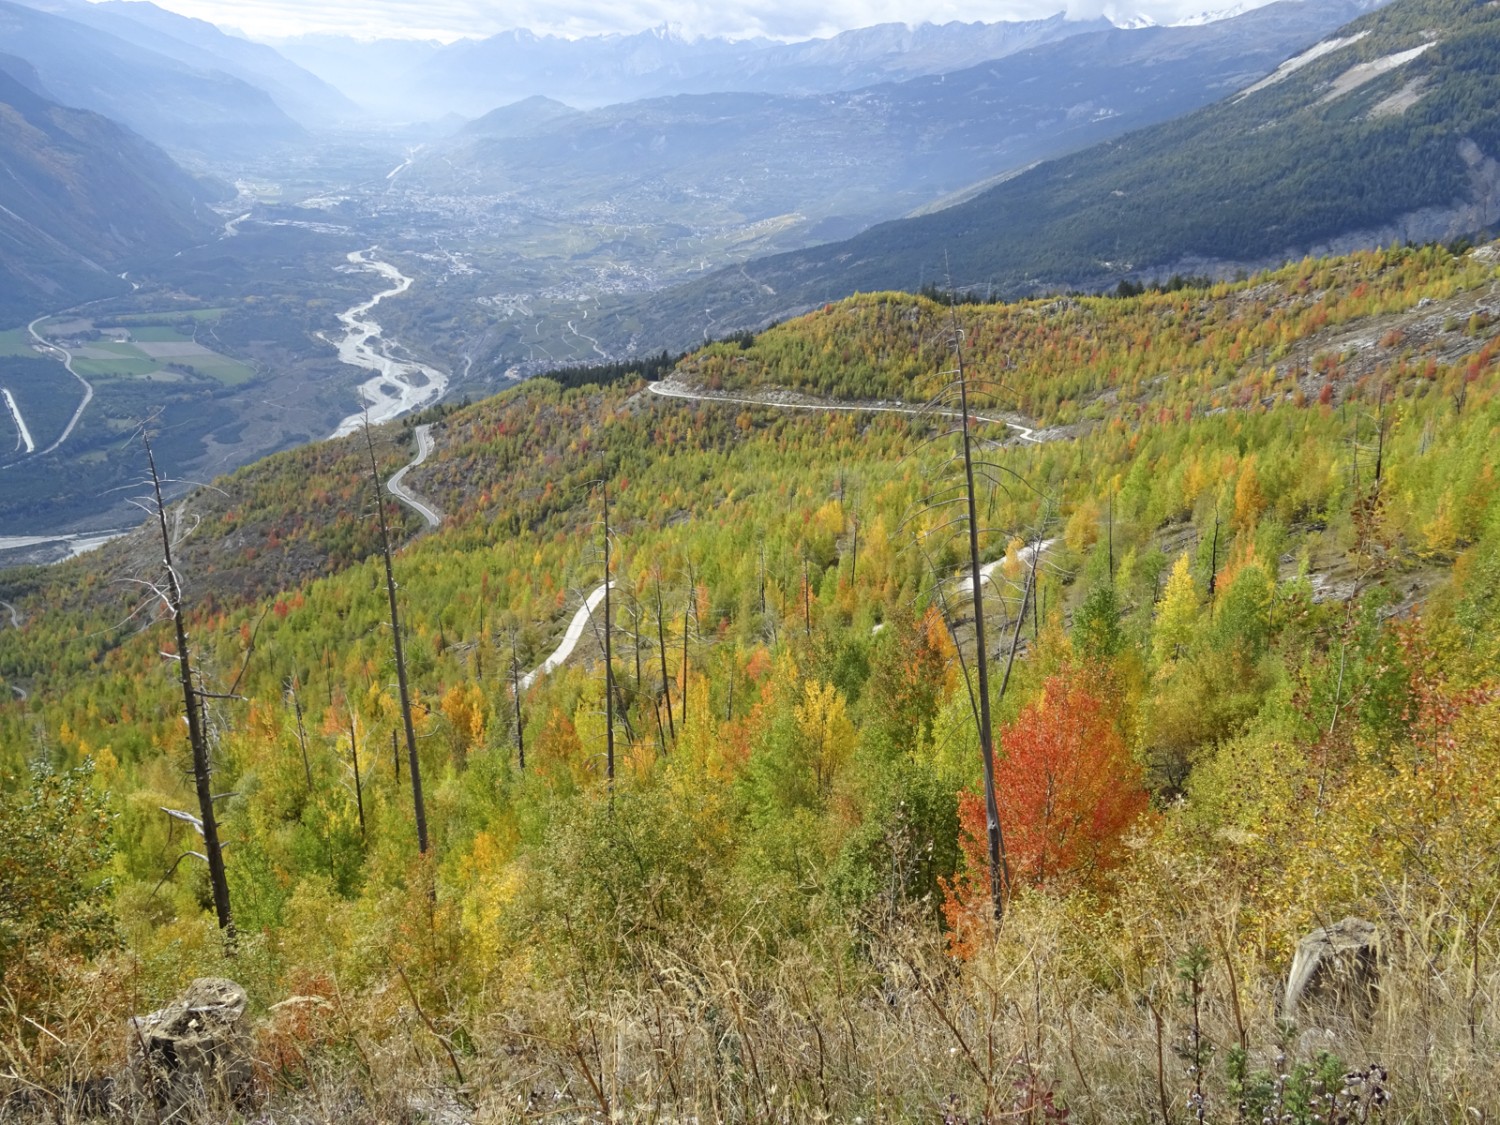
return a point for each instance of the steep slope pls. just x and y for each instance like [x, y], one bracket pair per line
[178, 106]
[772, 795]
[200, 45]
[82, 198]
[1387, 130]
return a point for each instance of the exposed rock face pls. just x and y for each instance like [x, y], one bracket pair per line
[196, 1050]
[1334, 972]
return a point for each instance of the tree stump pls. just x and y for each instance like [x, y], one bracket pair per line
[1334, 974]
[195, 1051]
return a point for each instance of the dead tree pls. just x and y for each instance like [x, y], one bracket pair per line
[963, 493]
[661, 651]
[688, 612]
[390, 588]
[806, 597]
[192, 705]
[515, 690]
[292, 690]
[359, 790]
[609, 662]
[999, 871]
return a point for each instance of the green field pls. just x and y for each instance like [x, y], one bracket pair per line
[130, 320]
[122, 368]
[230, 372]
[131, 364]
[16, 342]
[128, 361]
[160, 335]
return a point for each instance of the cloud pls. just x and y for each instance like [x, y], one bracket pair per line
[781, 19]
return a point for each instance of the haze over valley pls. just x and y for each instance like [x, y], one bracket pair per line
[793, 566]
[268, 244]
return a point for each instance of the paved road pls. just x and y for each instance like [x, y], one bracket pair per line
[676, 390]
[23, 434]
[570, 639]
[15, 622]
[67, 361]
[1023, 556]
[403, 494]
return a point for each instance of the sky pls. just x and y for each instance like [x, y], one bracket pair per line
[447, 20]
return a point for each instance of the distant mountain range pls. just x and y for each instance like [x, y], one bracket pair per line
[83, 199]
[196, 43]
[1387, 130]
[827, 165]
[471, 77]
[178, 82]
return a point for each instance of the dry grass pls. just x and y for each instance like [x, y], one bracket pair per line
[1060, 1018]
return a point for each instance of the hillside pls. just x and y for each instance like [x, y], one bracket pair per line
[1388, 130]
[84, 199]
[200, 45]
[180, 107]
[1255, 690]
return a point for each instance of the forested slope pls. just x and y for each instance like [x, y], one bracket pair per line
[1255, 691]
[1388, 130]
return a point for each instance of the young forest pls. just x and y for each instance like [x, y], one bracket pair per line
[729, 857]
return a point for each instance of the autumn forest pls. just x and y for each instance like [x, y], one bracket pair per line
[1237, 552]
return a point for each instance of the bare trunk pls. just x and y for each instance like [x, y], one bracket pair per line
[515, 690]
[999, 871]
[192, 708]
[301, 731]
[359, 791]
[806, 598]
[661, 651]
[609, 666]
[390, 589]
[687, 610]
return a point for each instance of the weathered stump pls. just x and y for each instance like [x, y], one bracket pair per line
[195, 1051]
[1335, 973]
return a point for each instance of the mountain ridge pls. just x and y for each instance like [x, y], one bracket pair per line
[84, 198]
[180, 108]
[1239, 184]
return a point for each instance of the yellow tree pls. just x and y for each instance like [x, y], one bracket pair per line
[1176, 615]
[827, 734]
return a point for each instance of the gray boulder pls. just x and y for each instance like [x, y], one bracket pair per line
[1335, 973]
[195, 1051]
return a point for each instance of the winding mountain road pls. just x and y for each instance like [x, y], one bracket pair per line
[405, 495]
[664, 389]
[1023, 556]
[16, 621]
[676, 390]
[67, 361]
[570, 639]
[23, 434]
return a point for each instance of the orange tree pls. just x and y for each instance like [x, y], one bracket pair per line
[1068, 791]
